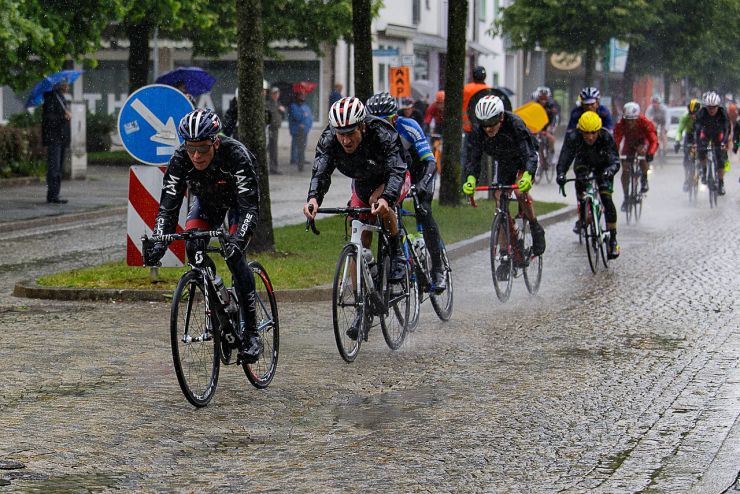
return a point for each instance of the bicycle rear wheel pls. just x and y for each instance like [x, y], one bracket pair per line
[397, 306]
[348, 304]
[712, 183]
[442, 303]
[196, 351]
[260, 373]
[502, 266]
[533, 264]
[549, 170]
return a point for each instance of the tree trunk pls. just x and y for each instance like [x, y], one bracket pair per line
[628, 79]
[666, 88]
[251, 105]
[362, 39]
[449, 189]
[589, 65]
[138, 55]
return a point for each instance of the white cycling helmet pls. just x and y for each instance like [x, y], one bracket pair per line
[631, 111]
[711, 99]
[489, 110]
[543, 91]
[346, 114]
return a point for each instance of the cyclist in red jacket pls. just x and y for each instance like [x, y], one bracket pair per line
[639, 137]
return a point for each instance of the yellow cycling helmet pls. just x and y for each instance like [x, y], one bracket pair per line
[694, 106]
[590, 121]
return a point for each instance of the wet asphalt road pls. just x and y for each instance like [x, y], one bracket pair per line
[626, 381]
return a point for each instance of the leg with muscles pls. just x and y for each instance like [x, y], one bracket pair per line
[251, 344]
[610, 211]
[626, 170]
[538, 233]
[721, 153]
[432, 242]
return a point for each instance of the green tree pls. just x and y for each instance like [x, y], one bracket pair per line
[38, 36]
[573, 26]
[252, 109]
[449, 189]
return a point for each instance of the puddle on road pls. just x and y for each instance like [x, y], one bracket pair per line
[654, 342]
[381, 410]
[67, 484]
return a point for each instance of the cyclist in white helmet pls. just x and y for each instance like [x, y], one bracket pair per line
[368, 150]
[504, 136]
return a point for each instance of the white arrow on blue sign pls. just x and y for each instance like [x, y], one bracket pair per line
[147, 123]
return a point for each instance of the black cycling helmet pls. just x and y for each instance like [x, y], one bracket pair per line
[479, 74]
[199, 125]
[382, 105]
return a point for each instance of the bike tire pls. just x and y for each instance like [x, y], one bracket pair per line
[415, 294]
[549, 167]
[533, 264]
[397, 306]
[590, 239]
[501, 257]
[260, 373]
[197, 362]
[348, 303]
[442, 303]
[602, 236]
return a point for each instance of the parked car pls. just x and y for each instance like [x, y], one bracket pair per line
[674, 117]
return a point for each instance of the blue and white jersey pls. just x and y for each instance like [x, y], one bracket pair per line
[413, 139]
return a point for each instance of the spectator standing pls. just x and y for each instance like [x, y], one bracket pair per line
[56, 136]
[277, 113]
[336, 93]
[300, 120]
[435, 112]
[184, 90]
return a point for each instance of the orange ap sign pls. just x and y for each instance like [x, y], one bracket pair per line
[400, 82]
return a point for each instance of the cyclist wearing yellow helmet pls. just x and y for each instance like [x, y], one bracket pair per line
[685, 135]
[591, 149]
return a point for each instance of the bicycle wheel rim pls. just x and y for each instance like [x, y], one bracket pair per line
[501, 256]
[589, 240]
[533, 268]
[396, 300]
[415, 297]
[260, 373]
[442, 303]
[194, 341]
[348, 303]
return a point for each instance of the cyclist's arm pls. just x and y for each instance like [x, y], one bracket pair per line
[651, 136]
[323, 167]
[410, 131]
[682, 126]
[619, 133]
[574, 116]
[475, 154]
[173, 191]
[567, 153]
[606, 118]
[244, 169]
[395, 165]
[613, 154]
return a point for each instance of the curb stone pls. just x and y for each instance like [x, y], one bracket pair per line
[30, 289]
[62, 218]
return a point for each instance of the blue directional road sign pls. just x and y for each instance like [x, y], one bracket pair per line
[147, 123]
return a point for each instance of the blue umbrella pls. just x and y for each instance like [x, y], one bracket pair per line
[47, 84]
[197, 81]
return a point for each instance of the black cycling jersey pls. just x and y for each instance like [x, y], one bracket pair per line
[377, 160]
[513, 147]
[229, 182]
[712, 126]
[599, 156]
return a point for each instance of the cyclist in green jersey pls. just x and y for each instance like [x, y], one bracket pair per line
[687, 125]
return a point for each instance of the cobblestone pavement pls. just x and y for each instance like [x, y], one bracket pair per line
[626, 381]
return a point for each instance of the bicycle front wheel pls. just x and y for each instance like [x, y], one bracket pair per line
[532, 264]
[442, 302]
[502, 265]
[260, 373]
[348, 305]
[549, 166]
[194, 338]
[397, 306]
[591, 237]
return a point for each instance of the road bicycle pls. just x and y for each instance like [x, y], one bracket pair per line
[362, 288]
[592, 222]
[546, 166]
[420, 263]
[633, 198]
[711, 175]
[692, 173]
[511, 246]
[204, 322]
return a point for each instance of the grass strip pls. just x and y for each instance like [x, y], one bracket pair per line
[301, 260]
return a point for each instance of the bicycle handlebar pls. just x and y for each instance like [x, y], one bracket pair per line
[346, 211]
[508, 188]
[577, 179]
[186, 235]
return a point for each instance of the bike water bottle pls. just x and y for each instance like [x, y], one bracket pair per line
[370, 262]
[223, 294]
[421, 249]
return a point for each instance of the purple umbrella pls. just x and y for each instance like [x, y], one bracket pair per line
[197, 81]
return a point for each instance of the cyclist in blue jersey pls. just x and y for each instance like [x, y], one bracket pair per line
[423, 168]
[589, 99]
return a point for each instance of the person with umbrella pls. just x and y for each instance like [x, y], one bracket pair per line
[56, 136]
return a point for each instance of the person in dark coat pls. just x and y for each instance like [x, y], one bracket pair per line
[56, 136]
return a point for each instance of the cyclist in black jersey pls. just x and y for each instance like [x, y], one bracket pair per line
[220, 173]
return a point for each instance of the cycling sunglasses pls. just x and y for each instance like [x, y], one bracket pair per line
[202, 149]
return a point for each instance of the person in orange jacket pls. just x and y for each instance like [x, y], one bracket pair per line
[478, 83]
